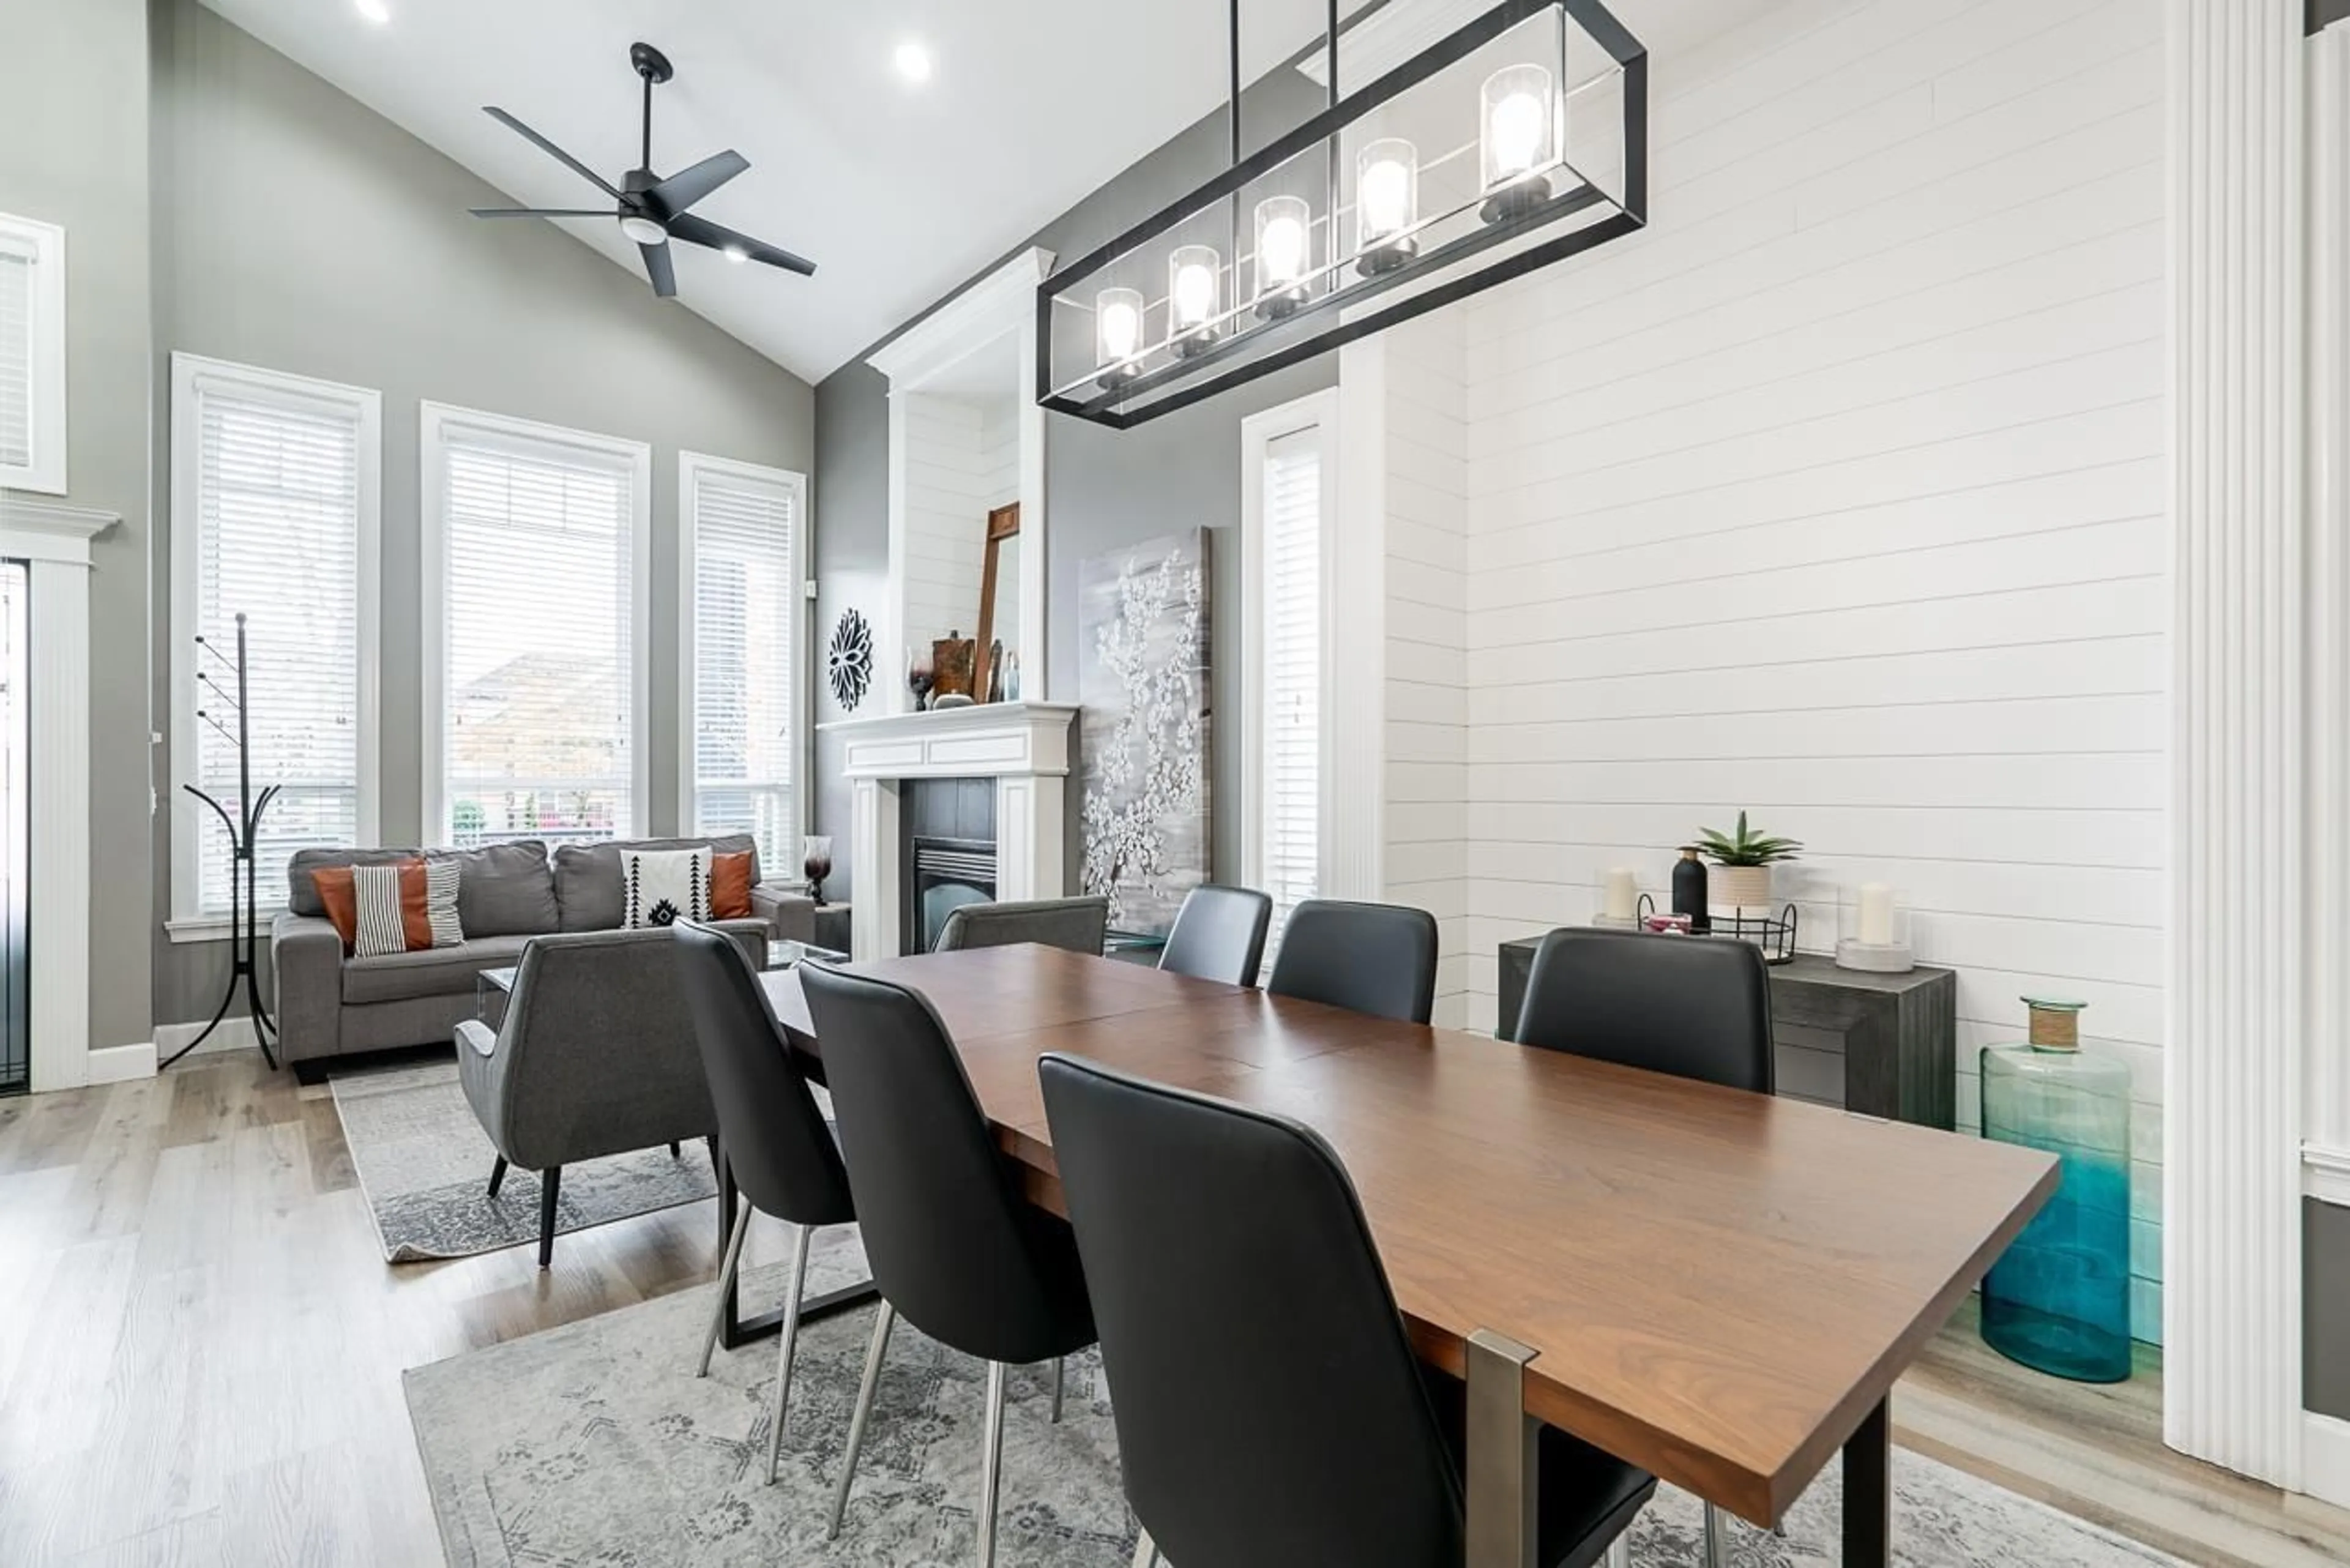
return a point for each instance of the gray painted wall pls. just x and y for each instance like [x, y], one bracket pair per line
[1103, 488]
[2325, 1308]
[385, 282]
[74, 152]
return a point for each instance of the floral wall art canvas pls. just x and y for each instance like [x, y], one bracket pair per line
[1142, 630]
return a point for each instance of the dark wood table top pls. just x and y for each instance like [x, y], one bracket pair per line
[1720, 1285]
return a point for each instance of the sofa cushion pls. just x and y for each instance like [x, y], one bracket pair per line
[428, 972]
[502, 890]
[587, 885]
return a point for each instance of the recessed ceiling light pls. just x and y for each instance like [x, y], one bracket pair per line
[736, 254]
[376, 11]
[913, 61]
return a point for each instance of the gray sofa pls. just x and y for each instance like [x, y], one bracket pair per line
[329, 1005]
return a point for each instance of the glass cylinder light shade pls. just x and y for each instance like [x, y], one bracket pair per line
[1191, 291]
[1284, 239]
[2058, 1299]
[1117, 334]
[1387, 204]
[1517, 140]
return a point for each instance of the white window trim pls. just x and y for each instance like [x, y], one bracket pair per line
[192, 374]
[438, 421]
[691, 467]
[46, 243]
[1315, 412]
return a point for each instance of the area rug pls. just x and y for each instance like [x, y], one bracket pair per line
[423, 1164]
[594, 1446]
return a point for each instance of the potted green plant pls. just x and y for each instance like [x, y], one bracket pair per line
[1745, 858]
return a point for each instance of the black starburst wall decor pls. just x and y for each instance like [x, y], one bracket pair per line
[851, 660]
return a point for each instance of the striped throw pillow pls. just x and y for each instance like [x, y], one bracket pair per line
[388, 911]
[441, 902]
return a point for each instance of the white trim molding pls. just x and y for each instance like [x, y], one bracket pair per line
[1023, 746]
[2325, 1172]
[42, 247]
[1001, 305]
[56, 539]
[1355, 858]
[2239, 963]
[2325, 1458]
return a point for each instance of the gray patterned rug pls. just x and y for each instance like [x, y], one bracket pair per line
[423, 1163]
[593, 1445]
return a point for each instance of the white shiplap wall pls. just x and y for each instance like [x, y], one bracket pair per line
[949, 477]
[1426, 831]
[1838, 495]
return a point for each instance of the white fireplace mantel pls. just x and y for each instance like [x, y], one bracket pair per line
[1023, 746]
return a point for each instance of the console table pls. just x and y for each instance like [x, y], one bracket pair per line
[1884, 1045]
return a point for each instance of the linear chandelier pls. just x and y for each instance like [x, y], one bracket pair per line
[1516, 141]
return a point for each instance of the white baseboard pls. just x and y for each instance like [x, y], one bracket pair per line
[234, 1034]
[2325, 1458]
[119, 1063]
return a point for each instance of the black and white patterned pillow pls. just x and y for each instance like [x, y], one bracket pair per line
[661, 887]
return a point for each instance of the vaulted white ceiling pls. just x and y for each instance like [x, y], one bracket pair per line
[897, 191]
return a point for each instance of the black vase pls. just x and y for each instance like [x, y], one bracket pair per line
[1689, 889]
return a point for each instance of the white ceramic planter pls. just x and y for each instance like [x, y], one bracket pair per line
[1745, 889]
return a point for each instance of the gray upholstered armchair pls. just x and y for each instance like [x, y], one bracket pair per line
[595, 1056]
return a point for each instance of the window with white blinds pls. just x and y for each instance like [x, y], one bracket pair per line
[1289, 521]
[535, 580]
[274, 521]
[742, 669]
[32, 354]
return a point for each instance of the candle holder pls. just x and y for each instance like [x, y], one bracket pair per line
[817, 865]
[1873, 930]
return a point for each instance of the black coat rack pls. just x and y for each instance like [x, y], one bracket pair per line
[244, 825]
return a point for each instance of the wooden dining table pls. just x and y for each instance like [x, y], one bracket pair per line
[1719, 1286]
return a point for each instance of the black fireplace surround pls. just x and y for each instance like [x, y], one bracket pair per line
[949, 858]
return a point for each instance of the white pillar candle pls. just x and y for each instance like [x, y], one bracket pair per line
[1621, 896]
[1875, 915]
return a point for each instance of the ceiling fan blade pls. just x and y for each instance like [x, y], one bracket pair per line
[687, 186]
[552, 151]
[542, 211]
[717, 237]
[661, 269]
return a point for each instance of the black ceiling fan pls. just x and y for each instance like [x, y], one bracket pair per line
[652, 211]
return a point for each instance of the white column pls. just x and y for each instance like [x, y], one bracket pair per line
[1355, 827]
[873, 827]
[2232, 1320]
[1028, 849]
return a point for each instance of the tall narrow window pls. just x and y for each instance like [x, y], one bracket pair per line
[743, 672]
[273, 507]
[32, 354]
[534, 581]
[1286, 517]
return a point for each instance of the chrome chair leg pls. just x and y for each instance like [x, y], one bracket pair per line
[1717, 1538]
[1145, 1555]
[1059, 1368]
[725, 1286]
[1619, 1551]
[991, 1470]
[790, 1336]
[864, 1412]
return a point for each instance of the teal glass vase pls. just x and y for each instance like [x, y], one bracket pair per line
[2058, 1299]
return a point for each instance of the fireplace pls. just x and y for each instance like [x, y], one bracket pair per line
[949, 855]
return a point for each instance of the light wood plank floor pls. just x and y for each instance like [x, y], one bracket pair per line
[201, 1349]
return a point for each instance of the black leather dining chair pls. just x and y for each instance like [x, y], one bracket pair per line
[1269, 1410]
[1077, 925]
[775, 1139]
[1219, 934]
[1694, 1008]
[953, 1244]
[1379, 958]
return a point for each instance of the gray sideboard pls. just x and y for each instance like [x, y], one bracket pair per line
[1884, 1045]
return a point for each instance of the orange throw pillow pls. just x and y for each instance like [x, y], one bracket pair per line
[730, 886]
[376, 908]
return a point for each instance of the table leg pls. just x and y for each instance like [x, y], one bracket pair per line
[1501, 1454]
[1869, 1491]
[735, 1330]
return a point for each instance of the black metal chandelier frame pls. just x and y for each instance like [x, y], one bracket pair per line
[1329, 319]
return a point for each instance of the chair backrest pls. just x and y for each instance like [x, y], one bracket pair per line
[773, 1136]
[1078, 924]
[1696, 1007]
[951, 1241]
[1379, 958]
[1269, 1410]
[599, 1054]
[1219, 934]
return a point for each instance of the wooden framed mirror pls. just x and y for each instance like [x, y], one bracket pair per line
[997, 577]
